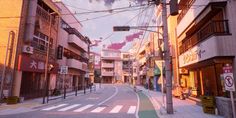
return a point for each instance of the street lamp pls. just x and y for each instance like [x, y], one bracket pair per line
[47, 56]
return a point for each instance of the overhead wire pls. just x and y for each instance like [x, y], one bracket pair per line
[126, 23]
[144, 35]
[102, 16]
[105, 10]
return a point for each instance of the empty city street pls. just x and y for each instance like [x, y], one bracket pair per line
[111, 101]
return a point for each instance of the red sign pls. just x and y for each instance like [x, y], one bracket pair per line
[228, 69]
[27, 63]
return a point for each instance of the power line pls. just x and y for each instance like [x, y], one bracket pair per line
[126, 23]
[106, 10]
[144, 35]
[106, 15]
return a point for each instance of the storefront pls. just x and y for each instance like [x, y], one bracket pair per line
[201, 70]
[33, 81]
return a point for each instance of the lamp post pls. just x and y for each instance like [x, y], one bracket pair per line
[46, 62]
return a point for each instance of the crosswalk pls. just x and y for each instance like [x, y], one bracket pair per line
[91, 108]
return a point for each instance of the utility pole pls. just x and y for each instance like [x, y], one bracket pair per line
[11, 33]
[167, 58]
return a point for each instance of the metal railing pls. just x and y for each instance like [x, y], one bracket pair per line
[219, 27]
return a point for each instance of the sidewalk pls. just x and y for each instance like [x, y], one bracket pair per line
[182, 108]
[33, 104]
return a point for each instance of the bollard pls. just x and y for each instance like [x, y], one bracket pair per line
[64, 93]
[76, 91]
[47, 96]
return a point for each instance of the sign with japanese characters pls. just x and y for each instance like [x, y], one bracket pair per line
[30, 64]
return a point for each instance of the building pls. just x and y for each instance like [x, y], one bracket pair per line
[111, 66]
[91, 66]
[35, 35]
[97, 67]
[127, 67]
[206, 44]
[72, 51]
[37, 30]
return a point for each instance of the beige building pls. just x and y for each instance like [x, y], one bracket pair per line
[111, 66]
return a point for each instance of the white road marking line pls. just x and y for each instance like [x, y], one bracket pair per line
[83, 108]
[109, 97]
[69, 107]
[54, 107]
[99, 109]
[131, 110]
[116, 109]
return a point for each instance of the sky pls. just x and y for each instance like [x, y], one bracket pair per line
[102, 28]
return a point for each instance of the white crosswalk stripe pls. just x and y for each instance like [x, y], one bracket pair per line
[131, 110]
[116, 109]
[83, 108]
[69, 107]
[97, 110]
[54, 107]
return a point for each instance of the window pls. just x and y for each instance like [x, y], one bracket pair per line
[40, 41]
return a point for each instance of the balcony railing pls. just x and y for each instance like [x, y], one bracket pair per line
[107, 73]
[45, 15]
[73, 39]
[111, 65]
[73, 63]
[220, 27]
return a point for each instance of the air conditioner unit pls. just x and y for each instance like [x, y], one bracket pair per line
[28, 49]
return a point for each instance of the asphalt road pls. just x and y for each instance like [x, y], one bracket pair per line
[113, 101]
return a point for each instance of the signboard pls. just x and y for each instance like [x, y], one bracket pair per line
[33, 64]
[228, 78]
[64, 70]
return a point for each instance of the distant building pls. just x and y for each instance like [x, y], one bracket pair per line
[95, 67]
[127, 67]
[111, 66]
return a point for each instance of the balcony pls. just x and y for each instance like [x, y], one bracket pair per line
[191, 14]
[84, 66]
[77, 42]
[107, 73]
[73, 63]
[107, 65]
[212, 28]
[42, 13]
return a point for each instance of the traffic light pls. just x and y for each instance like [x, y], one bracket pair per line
[121, 28]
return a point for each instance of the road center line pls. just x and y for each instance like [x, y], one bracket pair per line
[109, 97]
